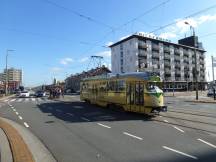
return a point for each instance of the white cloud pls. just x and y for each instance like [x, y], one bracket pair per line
[84, 59]
[109, 44]
[205, 18]
[180, 27]
[105, 54]
[66, 61]
[56, 69]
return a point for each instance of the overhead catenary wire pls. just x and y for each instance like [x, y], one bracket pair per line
[88, 18]
[186, 17]
[126, 23]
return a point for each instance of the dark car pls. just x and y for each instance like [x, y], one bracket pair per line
[40, 94]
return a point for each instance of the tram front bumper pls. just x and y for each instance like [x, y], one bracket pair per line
[159, 109]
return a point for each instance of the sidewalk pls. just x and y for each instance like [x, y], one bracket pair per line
[190, 96]
[6, 97]
[18, 144]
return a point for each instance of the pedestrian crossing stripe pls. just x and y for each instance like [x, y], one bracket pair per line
[27, 100]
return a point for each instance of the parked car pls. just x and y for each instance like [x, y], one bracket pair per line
[40, 94]
[24, 94]
[210, 92]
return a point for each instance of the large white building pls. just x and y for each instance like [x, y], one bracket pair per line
[173, 62]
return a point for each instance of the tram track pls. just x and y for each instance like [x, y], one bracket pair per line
[188, 120]
[176, 123]
[196, 120]
[192, 113]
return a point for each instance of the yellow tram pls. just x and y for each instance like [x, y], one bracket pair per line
[136, 92]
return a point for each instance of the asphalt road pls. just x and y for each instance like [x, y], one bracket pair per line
[79, 132]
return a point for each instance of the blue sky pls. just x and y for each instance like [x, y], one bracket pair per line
[51, 41]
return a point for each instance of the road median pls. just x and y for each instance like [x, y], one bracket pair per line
[19, 149]
[24, 146]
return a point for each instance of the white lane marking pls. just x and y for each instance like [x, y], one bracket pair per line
[14, 109]
[26, 99]
[6, 100]
[20, 117]
[179, 152]
[106, 126]
[166, 121]
[206, 143]
[12, 100]
[26, 125]
[33, 99]
[70, 114]
[160, 116]
[83, 118]
[178, 129]
[131, 135]
[17, 113]
[19, 100]
[77, 107]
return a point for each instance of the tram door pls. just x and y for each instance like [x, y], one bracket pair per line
[135, 96]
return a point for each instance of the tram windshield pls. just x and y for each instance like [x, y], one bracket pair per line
[154, 87]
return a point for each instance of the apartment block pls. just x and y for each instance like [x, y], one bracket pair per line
[173, 62]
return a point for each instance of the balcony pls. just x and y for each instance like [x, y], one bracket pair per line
[202, 62]
[177, 58]
[167, 70]
[142, 53]
[177, 65]
[166, 49]
[142, 45]
[177, 78]
[185, 53]
[177, 51]
[178, 72]
[167, 56]
[155, 47]
[167, 63]
[155, 55]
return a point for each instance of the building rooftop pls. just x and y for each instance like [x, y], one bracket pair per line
[153, 38]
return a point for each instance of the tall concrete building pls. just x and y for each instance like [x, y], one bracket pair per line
[14, 78]
[13, 75]
[174, 62]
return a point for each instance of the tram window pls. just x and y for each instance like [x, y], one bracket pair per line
[152, 85]
[121, 85]
[112, 86]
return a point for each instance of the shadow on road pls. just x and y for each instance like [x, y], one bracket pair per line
[76, 111]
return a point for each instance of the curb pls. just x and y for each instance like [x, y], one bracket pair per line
[7, 97]
[212, 102]
[19, 149]
[31, 150]
[5, 151]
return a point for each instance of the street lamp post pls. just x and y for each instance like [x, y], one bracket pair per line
[195, 53]
[6, 71]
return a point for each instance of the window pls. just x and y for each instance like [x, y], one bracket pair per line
[121, 61]
[121, 46]
[121, 53]
[121, 85]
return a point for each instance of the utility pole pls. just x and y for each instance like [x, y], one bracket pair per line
[213, 64]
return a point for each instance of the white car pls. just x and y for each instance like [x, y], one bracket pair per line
[24, 94]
